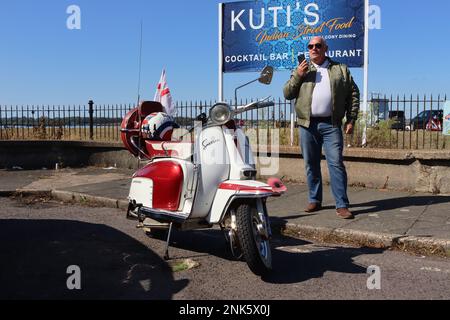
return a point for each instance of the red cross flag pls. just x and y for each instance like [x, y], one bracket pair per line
[163, 95]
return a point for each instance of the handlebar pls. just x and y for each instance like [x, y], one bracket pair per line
[266, 104]
[255, 105]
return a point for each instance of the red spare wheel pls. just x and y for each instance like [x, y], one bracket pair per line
[167, 179]
[130, 130]
[130, 127]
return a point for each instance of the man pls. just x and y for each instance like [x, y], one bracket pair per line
[325, 93]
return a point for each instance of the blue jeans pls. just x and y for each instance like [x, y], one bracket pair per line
[321, 133]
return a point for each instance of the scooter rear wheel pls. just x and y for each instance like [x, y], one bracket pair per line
[256, 249]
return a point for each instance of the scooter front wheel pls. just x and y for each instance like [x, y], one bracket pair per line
[252, 235]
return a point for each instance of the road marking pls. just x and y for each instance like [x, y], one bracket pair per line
[434, 269]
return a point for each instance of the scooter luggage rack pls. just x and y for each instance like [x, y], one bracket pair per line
[148, 157]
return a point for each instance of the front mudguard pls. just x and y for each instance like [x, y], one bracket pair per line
[226, 199]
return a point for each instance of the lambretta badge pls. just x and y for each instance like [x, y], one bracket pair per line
[208, 142]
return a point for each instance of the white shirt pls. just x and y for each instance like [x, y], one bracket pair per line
[322, 102]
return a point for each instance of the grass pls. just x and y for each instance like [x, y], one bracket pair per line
[399, 139]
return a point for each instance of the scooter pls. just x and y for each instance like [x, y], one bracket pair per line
[201, 184]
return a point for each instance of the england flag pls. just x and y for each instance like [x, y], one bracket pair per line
[163, 95]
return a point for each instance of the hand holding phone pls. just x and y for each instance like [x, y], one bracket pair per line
[301, 58]
[302, 65]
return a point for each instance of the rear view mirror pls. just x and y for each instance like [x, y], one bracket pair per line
[266, 75]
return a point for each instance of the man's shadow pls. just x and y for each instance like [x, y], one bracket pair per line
[297, 266]
[36, 256]
[397, 203]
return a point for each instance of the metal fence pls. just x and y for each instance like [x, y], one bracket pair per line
[395, 122]
[403, 122]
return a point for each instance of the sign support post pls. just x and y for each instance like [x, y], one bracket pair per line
[366, 73]
[220, 96]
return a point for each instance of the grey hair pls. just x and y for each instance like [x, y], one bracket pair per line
[322, 40]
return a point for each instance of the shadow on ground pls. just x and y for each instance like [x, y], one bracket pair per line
[35, 255]
[288, 267]
[296, 267]
[398, 203]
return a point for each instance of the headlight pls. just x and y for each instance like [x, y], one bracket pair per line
[220, 113]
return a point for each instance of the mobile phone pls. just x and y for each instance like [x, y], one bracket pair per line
[301, 58]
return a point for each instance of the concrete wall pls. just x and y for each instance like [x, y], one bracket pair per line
[421, 171]
[424, 171]
[39, 154]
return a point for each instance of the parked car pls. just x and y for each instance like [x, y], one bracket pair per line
[428, 120]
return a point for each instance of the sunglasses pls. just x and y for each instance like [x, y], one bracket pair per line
[316, 45]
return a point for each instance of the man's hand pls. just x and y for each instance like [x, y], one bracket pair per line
[302, 68]
[348, 128]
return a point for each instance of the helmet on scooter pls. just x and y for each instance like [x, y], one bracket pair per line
[158, 126]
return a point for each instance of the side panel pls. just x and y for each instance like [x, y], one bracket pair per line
[141, 191]
[167, 179]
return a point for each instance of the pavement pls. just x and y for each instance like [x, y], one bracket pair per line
[418, 223]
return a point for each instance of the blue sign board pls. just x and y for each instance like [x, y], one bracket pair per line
[274, 32]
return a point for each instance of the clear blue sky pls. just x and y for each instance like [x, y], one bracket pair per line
[42, 62]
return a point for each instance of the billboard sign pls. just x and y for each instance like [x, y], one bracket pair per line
[446, 126]
[275, 32]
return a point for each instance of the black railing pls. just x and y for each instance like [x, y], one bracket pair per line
[391, 122]
[403, 122]
[101, 122]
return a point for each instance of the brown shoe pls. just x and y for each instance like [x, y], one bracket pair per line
[344, 213]
[313, 207]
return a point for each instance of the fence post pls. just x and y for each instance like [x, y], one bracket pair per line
[91, 119]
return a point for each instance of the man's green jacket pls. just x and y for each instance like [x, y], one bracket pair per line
[344, 92]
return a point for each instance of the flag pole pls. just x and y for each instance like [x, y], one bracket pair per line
[139, 97]
[220, 95]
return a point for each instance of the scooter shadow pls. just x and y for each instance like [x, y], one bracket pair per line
[36, 254]
[207, 241]
[200, 242]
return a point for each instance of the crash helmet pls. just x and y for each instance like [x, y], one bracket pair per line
[158, 126]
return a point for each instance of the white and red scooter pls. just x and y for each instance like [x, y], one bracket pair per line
[210, 181]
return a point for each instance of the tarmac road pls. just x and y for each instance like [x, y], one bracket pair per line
[40, 240]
